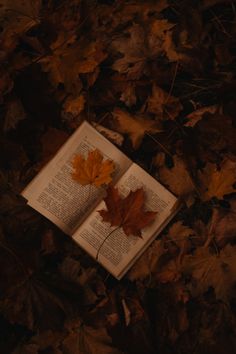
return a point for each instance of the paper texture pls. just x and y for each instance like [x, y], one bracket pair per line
[57, 196]
[119, 251]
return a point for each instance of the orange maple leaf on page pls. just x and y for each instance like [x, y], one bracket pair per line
[127, 213]
[92, 170]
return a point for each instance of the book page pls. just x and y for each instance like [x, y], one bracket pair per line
[119, 251]
[56, 195]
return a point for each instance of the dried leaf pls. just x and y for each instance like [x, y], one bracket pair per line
[163, 104]
[71, 59]
[74, 105]
[178, 179]
[134, 51]
[15, 113]
[217, 182]
[113, 136]
[147, 263]
[128, 96]
[197, 115]
[170, 272]
[212, 270]
[214, 134]
[88, 340]
[127, 213]
[33, 305]
[135, 127]
[179, 234]
[222, 225]
[18, 16]
[92, 170]
[139, 44]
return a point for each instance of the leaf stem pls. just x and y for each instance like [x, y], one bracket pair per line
[99, 248]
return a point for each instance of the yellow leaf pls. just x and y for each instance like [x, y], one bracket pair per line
[92, 170]
[217, 183]
[135, 127]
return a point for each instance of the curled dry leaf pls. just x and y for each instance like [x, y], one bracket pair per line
[92, 170]
[216, 182]
[127, 213]
[197, 115]
[113, 136]
[135, 127]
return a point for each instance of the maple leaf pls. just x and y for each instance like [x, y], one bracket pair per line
[170, 272]
[216, 270]
[127, 213]
[178, 179]
[215, 133]
[70, 59]
[217, 183]
[135, 127]
[180, 234]
[29, 297]
[74, 105]
[139, 44]
[224, 224]
[163, 104]
[19, 16]
[92, 170]
[148, 262]
[90, 340]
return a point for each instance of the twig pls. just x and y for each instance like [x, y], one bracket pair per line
[172, 82]
[162, 146]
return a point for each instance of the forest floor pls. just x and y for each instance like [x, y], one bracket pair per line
[162, 75]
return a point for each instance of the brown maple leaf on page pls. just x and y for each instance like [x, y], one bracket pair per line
[92, 170]
[127, 213]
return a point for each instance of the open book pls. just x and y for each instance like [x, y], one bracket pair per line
[74, 208]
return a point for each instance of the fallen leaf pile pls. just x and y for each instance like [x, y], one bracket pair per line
[158, 79]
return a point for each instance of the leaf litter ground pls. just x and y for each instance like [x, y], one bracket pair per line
[159, 76]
